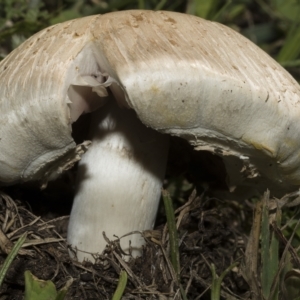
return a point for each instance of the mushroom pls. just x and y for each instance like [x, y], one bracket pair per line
[146, 75]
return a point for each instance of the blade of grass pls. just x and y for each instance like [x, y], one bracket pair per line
[121, 286]
[291, 48]
[269, 251]
[11, 256]
[266, 280]
[288, 255]
[217, 281]
[252, 250]
[274, 258]
[173, 238]
[160, 5]
[292, 63]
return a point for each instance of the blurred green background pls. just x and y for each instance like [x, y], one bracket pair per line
[272, 24]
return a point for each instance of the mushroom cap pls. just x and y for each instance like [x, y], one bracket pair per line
[183, 76]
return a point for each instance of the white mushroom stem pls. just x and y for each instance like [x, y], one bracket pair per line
[119, 182]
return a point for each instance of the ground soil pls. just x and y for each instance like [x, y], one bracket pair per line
[211, 232]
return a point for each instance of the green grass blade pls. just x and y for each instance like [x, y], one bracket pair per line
[160, 5]
[269, 251]
[266, 279]
[291, 48]
[217, 281]
[174, 251]
[274, 259]
[11, 256]
[121, 286]
[215, 285]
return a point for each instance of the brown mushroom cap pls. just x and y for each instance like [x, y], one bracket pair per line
[182, 75]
